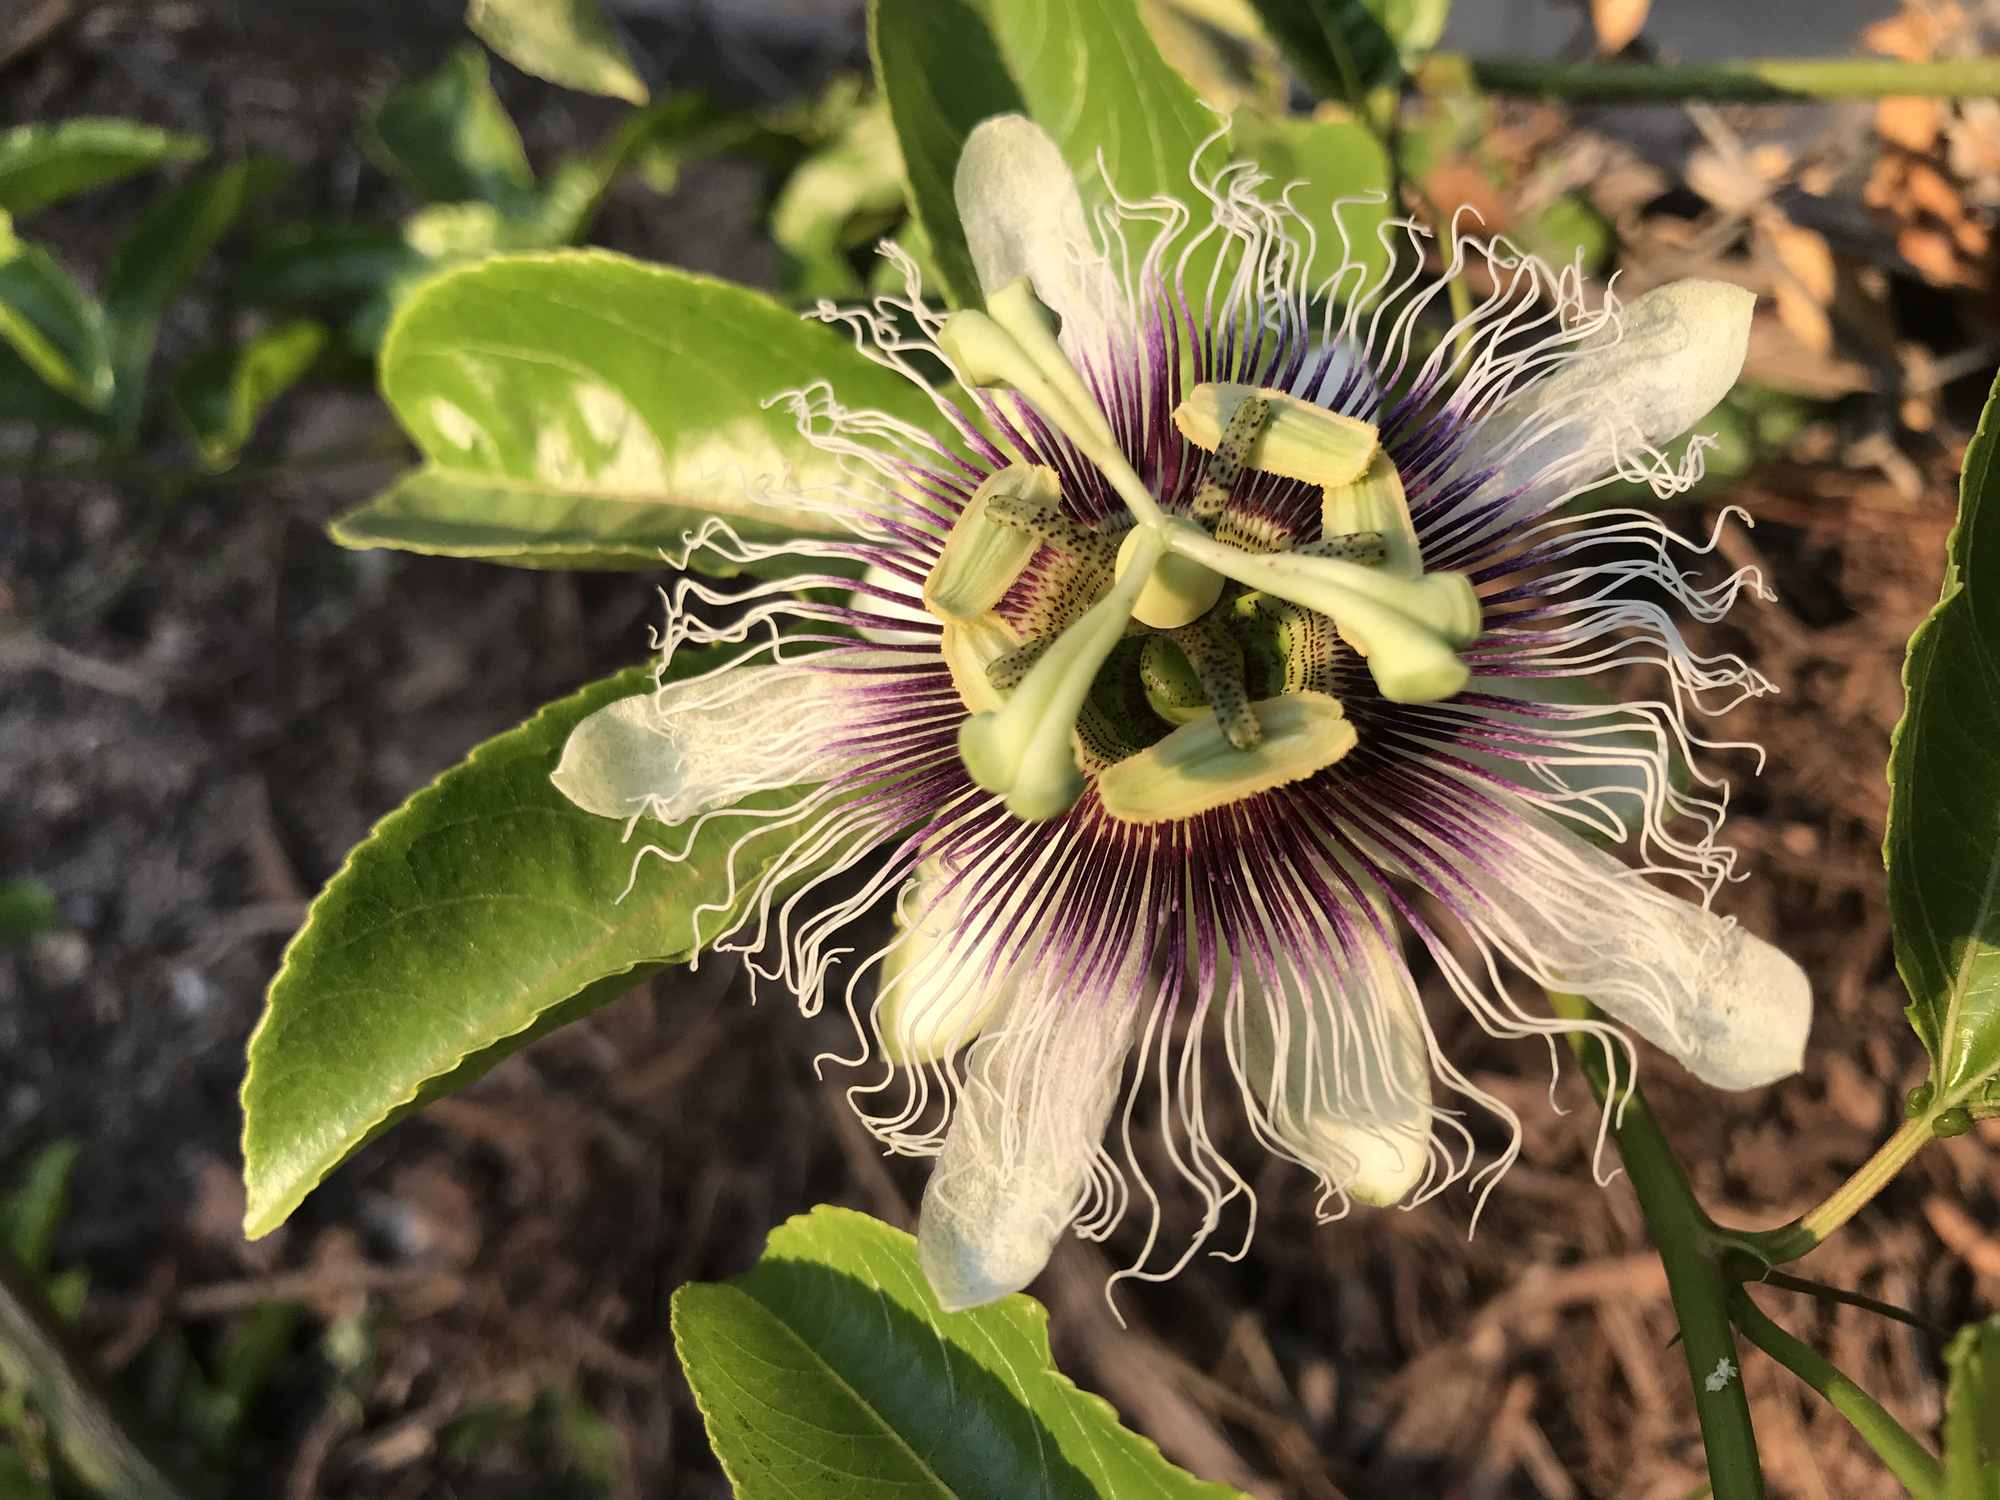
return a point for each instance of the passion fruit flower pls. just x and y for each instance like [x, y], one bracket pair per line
[1227, 643]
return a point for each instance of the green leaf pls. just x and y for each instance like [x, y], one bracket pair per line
[482, 913]
[940, 73]
[44, 164]
[449, 136]
[50, 328]
[1090, 74]
[31, 1214]
[166, 247]
[1972, 1414]
[828, 1369]
[1348, 49]
[1943, 841]
[846, 194]
[27, 907]
[565, 41]
[223, 394]
[580, 409]
[1331, 160]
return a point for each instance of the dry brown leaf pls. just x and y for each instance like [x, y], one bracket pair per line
[1806, 257]
[1932, 193]
[1456, 183]
[1617, 22]
[1804, 318]
[1911, 35]
[1911, 123]
[1730, 183]
[1930, 252]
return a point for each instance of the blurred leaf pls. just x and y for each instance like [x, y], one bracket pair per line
[1348, 49]
[27, 907]
[1569, 231]
[940, 73]
[324, 263]
[829, 1369]
[1972, 1414]
[166, 247]
[18, 1480]
[223, 394]
[1943, 840]
[449, 136]
[565, 41]
[846, 194]
[580, 409]
[1221, 48]
[1331, 159]
[43, 164]
[31, 1214]
[1089, 74]
[50, 327]
[483, 912]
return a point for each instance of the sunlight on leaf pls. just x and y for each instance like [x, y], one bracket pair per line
[565, 41]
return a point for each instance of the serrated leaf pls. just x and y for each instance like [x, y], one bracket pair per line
[223, 394]
[483, 912]
[565, 41]
[580, 409]
[165, 248]
[1090, 74]
[1347, 49]
[829, 1370]
[1943, 841]
[44, 164]
[450, 137]
[1972, 1413]
[51, 329]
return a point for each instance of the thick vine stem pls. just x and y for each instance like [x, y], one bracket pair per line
[1912, 1464]
[1753, 80]
[1695, 1279]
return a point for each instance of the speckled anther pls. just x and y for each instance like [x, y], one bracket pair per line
[1216, 655]
[1232, 452]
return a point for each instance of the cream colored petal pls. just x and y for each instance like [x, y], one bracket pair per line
[1339, 1060]
[1726, 1004]
[1023, 216]
[1675, 353]
[706, 742]
[1028, 1125]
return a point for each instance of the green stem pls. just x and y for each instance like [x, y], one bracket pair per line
[1795, 1239]
[1753, 80]
[1694, 1277]
[1912, 1464]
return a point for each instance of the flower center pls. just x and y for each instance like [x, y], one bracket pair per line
[1151, 657]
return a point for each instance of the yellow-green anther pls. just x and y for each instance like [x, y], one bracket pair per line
[1405, 627]
[1179, 591]
[1354, 546]
[1016, 308]
[1375, 502]
[1296, 438]
[1195, 769]
[1232, 451]
[1023, 750]
[970, 648]
[983, 555]
[1173, 688]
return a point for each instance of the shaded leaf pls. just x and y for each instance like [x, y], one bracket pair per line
[846, 194]
[1972, 1414]
[31, 1214]
[1336, 164]
[44, 164]
[450, 137]
[565, 41]
[828, 1369]
[27, 907]
[1943, 840]
[51, 330]
[481, 913]
[580, 409]
[1347, 49]
[223, 394]
[166, 247]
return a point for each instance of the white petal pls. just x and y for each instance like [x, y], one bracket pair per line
[1727, 1005]
[943, 978]
[1028, 1125]
[1673, 354]
[704, 743]
[1339, 1058]
[1023, 217]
